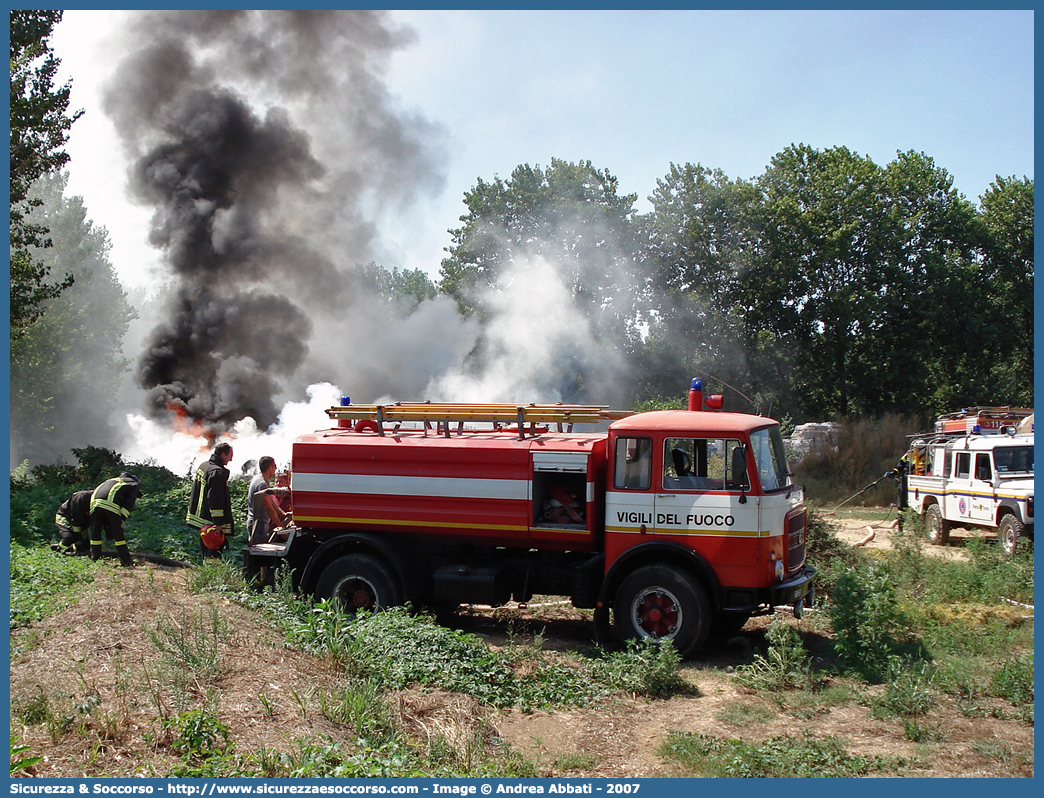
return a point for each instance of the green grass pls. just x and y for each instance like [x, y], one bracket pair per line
[788, 756]
[44, 583]
[744, 714]
[397, 648]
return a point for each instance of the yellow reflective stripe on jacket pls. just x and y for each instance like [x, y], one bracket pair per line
[108, 503]
[61, 520]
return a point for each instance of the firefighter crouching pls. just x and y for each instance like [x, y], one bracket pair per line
[111, 504]
[72, 520]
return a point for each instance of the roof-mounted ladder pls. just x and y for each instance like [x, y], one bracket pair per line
[443, 414]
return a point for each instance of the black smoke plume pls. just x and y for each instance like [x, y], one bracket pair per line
[262, 139]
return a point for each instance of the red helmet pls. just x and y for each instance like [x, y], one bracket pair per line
[212, 536]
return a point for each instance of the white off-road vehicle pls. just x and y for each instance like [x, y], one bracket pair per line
[974, 471]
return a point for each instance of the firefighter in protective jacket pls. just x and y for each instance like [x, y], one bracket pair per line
[72, 520]
[111, 504]
[211, 503]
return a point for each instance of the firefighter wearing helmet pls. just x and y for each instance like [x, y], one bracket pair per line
[111, 504]
[210, 506]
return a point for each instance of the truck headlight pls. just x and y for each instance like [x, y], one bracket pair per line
[777, 566]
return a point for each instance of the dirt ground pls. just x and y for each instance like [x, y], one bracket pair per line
[875, 531]
[97, 664]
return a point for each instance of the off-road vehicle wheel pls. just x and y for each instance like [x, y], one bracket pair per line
[936, 527]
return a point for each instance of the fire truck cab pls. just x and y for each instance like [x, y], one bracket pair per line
[667, 524]
[974, 471]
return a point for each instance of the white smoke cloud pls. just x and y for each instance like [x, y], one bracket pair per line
[536, 341]
[180, 451]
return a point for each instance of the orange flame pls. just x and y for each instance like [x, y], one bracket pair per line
[185, 424]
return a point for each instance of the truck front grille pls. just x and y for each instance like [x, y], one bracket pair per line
[796, 541]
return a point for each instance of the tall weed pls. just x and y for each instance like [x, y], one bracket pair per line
[1013, 680]
[190, 644]
[785, 666]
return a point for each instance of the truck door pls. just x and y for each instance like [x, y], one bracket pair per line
[982, 499]
[959, 490]
[704, 489]
[629, 505]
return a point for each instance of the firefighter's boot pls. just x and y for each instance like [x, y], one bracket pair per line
[125, 559]
[96, 551]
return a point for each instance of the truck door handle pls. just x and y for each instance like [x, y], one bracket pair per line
[666, 495]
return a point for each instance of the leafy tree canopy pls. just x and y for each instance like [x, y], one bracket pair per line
[40, 124]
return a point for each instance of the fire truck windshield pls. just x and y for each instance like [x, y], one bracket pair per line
[771, 458]
[1013, 460]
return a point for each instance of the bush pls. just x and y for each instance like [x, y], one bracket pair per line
[867, 620]
[908, 692]
[830, 555]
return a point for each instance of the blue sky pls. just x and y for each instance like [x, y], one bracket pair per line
[634, 91]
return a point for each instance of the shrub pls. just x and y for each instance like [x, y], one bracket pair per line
[645, 667]
[830, 555]
[198, 734]
[867, 620]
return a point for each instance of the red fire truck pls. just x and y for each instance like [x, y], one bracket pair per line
[668, 524]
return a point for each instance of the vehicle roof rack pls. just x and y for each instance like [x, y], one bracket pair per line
[446, 413]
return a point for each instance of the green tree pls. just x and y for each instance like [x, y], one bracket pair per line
[66, 367]
[914, 340]
[408, 287]
[1006, 216]
[862, 270]
[569, 213]
[40, 124]
[565, 237]
[819, 277]
[697, 248]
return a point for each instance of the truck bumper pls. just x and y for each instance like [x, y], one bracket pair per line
[794, 589]
[797, 588]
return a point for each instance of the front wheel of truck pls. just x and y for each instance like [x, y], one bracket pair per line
[660, 602]
[359, 582]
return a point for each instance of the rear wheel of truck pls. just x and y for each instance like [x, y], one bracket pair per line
[1009, 532]
[359, 582]
[661, 602]
[936, 527]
